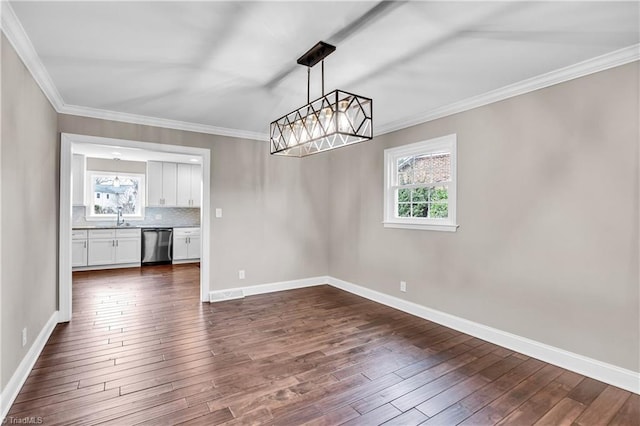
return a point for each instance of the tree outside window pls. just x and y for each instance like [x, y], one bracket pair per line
[110, 192]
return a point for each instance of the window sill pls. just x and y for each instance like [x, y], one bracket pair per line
[422, 226]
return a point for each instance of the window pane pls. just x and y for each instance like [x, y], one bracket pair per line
[404, 209]
[111, 193]
[422, 169]
[439, 210]
[438, 193]
[420, 195]
[432, 168]
[419, 209]
[441, 167]
[405, 170]
[404, 195]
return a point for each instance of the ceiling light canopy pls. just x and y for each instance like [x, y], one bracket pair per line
[335, 119]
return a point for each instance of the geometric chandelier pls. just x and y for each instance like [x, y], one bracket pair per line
[334, 120]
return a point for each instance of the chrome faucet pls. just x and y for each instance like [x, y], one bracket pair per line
[119, 219]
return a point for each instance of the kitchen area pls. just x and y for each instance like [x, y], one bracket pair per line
[134, 208]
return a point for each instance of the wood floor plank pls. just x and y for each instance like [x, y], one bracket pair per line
[408, 418]
[335, 417]
[143, 349]
[604, 407]
[505, 404]
[628, 413]
[377, 416]
[562, 414]
[466, 407]
[587, 390]
[216, 418]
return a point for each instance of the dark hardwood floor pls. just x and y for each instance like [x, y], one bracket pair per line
[142, 349]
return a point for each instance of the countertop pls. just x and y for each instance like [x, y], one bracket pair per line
[132, 226]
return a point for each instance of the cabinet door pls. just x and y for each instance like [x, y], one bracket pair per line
[169, 183]
[184, 185]
[180, 248]
[77, 179]
[196, 183]
[102, 251]
[128, 250]
[194, 247]
[154, 183]
[79, 253]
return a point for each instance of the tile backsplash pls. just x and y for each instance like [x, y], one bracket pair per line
[169, 217]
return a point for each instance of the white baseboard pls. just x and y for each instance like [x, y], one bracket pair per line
[183, 261]
[219, 295]
[10, 392]
[608, 373]
[102, 267]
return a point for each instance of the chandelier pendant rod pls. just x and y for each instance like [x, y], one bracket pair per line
[308, 85]
[323, 77]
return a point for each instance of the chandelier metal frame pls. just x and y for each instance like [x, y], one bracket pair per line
[336, 119]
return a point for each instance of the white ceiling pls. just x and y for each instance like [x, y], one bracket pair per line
[232, 64]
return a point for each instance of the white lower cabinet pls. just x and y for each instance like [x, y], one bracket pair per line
[194, 247]
[186, 244]
[102, 251]
[127, 250]
[79, 248]
[112, 247]
[180, 247]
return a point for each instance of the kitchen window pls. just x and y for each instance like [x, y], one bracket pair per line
[109, 192]
[420, 185]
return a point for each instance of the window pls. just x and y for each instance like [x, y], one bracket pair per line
[420, 185]
[111, 191]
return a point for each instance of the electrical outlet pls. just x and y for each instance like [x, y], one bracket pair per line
[218, 212]
[403, 286]
[24, 336]
[241, 274]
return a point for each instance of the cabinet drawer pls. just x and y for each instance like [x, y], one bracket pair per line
[79, 234]
[102, 233]
[186, 232]
[128, 233]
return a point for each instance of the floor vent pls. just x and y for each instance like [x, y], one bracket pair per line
[222, 295]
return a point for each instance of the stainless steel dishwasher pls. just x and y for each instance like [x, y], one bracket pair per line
[157, 246]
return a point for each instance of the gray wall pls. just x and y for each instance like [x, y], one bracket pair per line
[274, 209]
[29, 179]
[548, 210]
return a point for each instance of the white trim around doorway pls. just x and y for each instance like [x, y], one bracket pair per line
[67, 141]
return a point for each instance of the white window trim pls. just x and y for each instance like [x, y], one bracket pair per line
[89, 216]
[448, 143]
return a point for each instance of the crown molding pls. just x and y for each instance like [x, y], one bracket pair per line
[17, 36]
[581, 69]
[160, 122]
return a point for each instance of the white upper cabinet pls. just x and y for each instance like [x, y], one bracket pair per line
[169, 186]
[154, 183]
[161, 184]
[78, 167]
[184, 185]
[189, 185]
[196, 184]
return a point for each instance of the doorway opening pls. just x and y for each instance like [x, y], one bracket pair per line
[98, 211]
